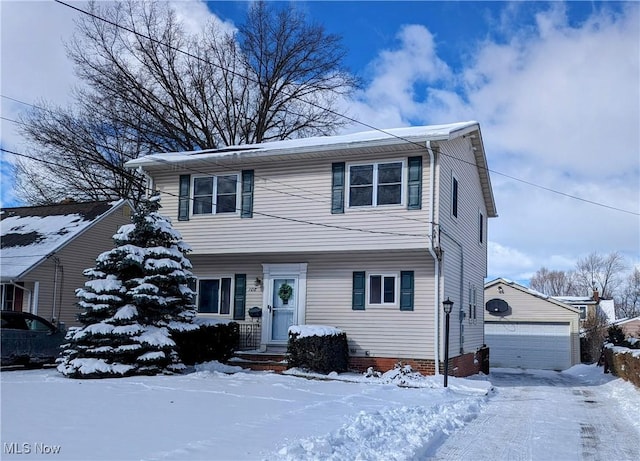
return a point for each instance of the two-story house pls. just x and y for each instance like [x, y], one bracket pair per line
[368, 232]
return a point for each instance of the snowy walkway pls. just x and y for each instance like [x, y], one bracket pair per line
[547, 416]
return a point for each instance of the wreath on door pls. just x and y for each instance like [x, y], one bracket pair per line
[285, 292]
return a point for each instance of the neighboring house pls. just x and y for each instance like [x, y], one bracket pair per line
[367, 232]
[631, 327]
[45, 250]
[590, 305]
[527, 329]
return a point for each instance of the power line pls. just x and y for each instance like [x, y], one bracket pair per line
[186, 53]
[268, 215]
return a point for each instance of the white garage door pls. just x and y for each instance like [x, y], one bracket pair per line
[545, 346]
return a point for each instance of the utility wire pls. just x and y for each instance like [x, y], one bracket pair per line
[268, 215]
[178, 50]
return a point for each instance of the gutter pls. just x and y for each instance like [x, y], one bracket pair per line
[436, 260]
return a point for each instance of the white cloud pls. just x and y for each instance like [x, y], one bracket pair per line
[559, 107]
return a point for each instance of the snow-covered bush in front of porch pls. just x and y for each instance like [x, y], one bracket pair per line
[137, 295]
[318, 348]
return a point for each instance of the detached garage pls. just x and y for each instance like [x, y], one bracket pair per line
[526, 329]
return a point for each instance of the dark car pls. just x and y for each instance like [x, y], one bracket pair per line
[28, 339]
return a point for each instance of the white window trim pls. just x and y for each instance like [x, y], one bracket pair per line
[482, 228]
[403, 184]
[231, 295]
[215, 194]
[396, 285]
[453, 216]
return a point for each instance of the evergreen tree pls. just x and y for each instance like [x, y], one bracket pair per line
[136, 296]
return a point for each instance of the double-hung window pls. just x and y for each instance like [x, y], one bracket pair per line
[376, 184]
[382, 289]
[215, 194]
[214, 296]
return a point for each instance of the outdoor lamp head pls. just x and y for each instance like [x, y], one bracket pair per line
[448, 306]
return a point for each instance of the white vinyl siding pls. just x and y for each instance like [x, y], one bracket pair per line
[292, 212]
[465, 258]
[380, 332]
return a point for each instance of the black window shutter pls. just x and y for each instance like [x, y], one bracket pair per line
[357, 300]
[183, 201]
[414, 185]
[247, 194]
[240, 296]
[337, 188]
[406, 290]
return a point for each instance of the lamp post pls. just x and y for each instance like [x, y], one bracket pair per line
[448, 306]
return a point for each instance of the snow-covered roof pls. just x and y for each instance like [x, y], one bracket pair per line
[320, 145]
[530, 291]
[574, 299]
[30, 234]
[314, 144]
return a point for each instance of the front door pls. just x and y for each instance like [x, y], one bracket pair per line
[283, 302]
[284, 306]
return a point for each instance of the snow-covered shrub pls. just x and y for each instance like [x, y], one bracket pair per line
[207, 342]
[136, 296]
[318, 348]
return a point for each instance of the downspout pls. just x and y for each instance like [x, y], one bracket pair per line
[56, 265]
[149, 185]
[436, 260]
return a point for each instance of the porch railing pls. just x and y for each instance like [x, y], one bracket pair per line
[249, 336]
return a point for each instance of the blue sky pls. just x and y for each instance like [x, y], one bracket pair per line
[554, 85]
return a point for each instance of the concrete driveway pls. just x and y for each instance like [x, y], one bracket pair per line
[547, 416]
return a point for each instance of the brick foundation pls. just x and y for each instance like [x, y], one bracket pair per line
[461, 366]
[426, 367]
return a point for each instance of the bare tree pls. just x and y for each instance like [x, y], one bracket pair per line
[600, 272]
[150, 85]
[628, 301]
[554, 282]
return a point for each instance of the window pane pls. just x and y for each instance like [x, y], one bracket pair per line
[361, 175]
[375, 289]
[225, 296]
[202, 205]
[389, 173]
[227, 184]
[389, 289]
[226, 197]
[203, 186]
[361, 196]
[226, 204]
[208, 296]
[388, 195]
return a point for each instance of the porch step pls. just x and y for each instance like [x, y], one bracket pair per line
[259, 361]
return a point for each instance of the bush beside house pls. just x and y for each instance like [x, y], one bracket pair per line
[318, 348]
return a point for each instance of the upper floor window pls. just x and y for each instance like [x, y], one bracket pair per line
[375, 184]
[215, 194]
[454, 196]
[481, 227]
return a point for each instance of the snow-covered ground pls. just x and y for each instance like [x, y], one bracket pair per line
[212, 415]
